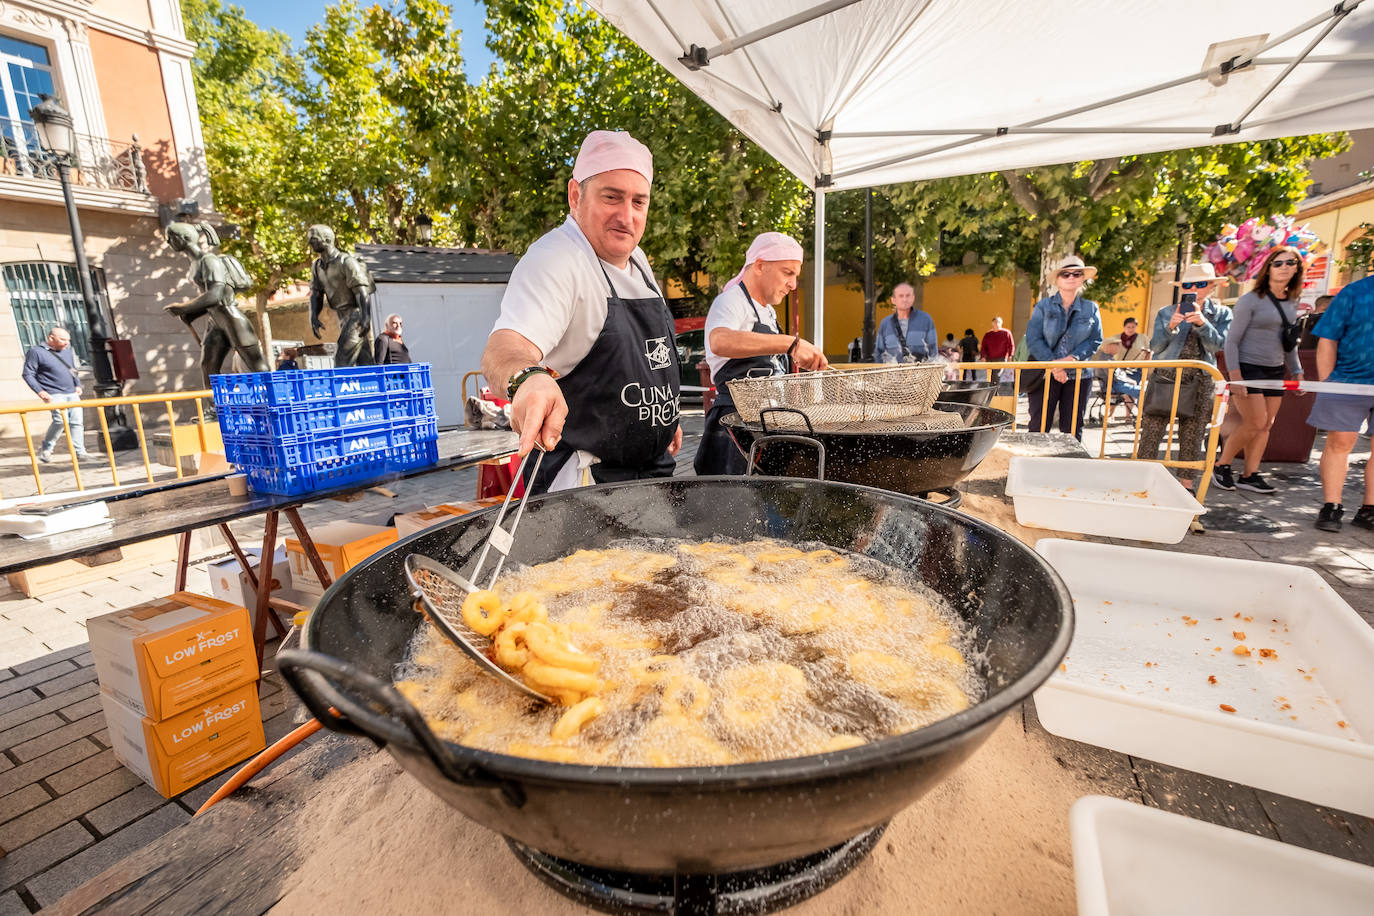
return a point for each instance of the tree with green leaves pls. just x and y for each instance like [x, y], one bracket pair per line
[502, 169]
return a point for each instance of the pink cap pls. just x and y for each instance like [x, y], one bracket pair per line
[608, 150]
[769, 246]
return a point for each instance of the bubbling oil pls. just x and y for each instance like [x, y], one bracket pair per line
[714, 653]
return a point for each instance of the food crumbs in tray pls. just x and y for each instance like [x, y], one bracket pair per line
[1129, 645]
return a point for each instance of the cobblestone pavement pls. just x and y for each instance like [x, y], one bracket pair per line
[68, 809]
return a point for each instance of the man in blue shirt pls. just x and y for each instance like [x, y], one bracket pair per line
[50, 370]
[908, 334]
[1345, 353]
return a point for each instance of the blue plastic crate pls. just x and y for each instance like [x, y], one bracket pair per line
[315, 448]
[409, 457]
[298, 480]
[324, 416]
[294, 387]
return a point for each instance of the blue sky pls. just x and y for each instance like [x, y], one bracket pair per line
[295, 17]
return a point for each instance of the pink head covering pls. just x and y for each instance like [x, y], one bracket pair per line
[608, 150]
[768, 246]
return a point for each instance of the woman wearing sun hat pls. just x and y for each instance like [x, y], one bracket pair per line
[1063, 327]
[1194, 328]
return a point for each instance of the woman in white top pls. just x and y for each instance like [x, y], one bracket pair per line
[1256, 349]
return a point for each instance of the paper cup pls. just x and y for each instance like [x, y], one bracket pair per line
[238, 485]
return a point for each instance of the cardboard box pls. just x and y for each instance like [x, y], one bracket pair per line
[342, 545]
[411, 522]
[229, 581]
[170, 655]
[37, 581]
[183, 751]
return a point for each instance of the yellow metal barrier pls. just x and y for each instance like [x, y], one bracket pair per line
[135, 401]
[1078, 367]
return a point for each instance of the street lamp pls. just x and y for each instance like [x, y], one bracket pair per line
[57, 137]
[1181, 228]
[424, 229]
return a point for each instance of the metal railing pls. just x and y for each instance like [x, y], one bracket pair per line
[98, 162]
[1083, 381]
[136, 402]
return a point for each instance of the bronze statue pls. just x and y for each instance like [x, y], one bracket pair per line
[218, 277]
[340, 280]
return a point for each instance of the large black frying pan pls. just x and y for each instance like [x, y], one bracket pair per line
[698, 819]
[967, 391]
[915, 463]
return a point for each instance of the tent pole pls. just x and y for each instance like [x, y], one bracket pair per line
[1239, 122]
[818, 293]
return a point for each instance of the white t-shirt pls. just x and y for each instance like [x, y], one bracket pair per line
[731, 310]
[556, 297]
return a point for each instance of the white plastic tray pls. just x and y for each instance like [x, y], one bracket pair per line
[1139, 500]
[1136, 677]
[1130, 859]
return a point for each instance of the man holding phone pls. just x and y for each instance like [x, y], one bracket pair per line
[1194, 329]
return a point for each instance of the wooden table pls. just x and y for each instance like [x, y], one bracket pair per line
[245, 856]
[182, 507]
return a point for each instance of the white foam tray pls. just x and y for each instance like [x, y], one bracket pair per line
[1130, 859]
[1135, 679]
[1139, 500]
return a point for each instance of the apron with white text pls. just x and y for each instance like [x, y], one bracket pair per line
[623, 397]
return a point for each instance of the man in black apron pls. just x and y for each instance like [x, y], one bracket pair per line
[584, 344]
[743, 341]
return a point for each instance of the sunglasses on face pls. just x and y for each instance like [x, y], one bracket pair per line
[1071, 274]
[1195, 284]
[1286, 262]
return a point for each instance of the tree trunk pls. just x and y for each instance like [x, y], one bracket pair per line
[263, 323]
[1055, 245]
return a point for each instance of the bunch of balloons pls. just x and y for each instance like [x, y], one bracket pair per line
[1240, 250]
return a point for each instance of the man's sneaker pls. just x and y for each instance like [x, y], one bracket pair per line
[1364, 518]
[1254, 483]
[1221, 476]
[1329, 519]
[45, 457]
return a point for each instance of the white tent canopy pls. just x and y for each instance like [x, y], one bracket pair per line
[855, 93]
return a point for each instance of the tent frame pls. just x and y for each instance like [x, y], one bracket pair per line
[697, 58]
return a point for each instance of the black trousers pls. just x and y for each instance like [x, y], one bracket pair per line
[1061, 404]
[717, 453]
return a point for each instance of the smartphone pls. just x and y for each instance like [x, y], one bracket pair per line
[1187, 303]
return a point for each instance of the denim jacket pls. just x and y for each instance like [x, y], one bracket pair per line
[1048, 321]
[1168, 344]
[920, 337]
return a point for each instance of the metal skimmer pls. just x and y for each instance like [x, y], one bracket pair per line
[441, 591]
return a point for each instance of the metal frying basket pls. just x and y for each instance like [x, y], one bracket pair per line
[843, 396]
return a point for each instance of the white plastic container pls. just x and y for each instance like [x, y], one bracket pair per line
[1130, 859]
[1139, 500]
[1137, 677]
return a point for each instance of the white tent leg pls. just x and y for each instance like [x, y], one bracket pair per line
[818, 259]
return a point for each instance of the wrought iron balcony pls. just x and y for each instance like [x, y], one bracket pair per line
[99, 162]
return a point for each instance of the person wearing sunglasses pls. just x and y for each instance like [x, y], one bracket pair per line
[1261, 344]
[1063, 327]
[1194, 328]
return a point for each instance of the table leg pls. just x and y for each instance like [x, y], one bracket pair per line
[269, 547]
[308, 547]
[253, 577]
[239, 555]
[183, 559]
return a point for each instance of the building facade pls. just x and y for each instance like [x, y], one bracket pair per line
[123, 70]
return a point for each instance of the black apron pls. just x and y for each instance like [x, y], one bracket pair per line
[624, 396]
[717, 453]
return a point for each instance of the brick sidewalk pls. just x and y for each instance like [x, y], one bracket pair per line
[69, 810]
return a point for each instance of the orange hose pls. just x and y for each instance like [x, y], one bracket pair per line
[260, 763]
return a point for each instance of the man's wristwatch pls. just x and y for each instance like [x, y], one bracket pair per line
[519, 378]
